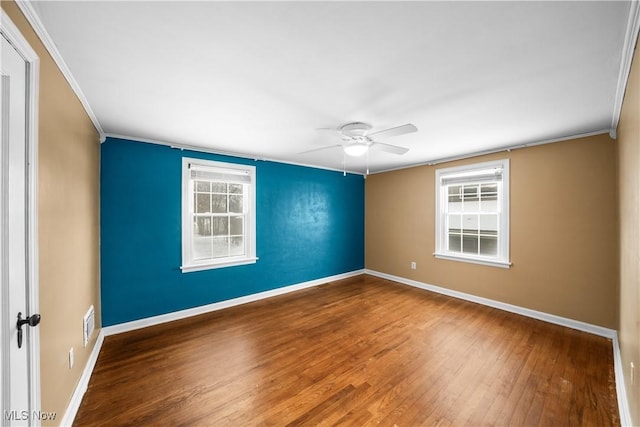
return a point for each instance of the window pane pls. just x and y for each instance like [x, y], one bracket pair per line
[470, 193]
[219, 187]
[470, 197]
[489, 224]
[235, 204]
[202, 226]
[455, 206]
[203, 186]
[454, 243]
[220, 247]
[454, 194]
[219, 203]
[237, 226]
[237, 246]
[489, 192]
[203, 203]
[455, 223]
[221, 226]
[489, 206]
[454, 198]
[470, 244]
[488, 246]
[471, 206]
[489, 197]
[470, 223]
[202, 248]
[235, 188]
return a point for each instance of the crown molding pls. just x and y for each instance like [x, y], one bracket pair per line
[200, 149]
[34, 20]
[630, 40]
[506, 148]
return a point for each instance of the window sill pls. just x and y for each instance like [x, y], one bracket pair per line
[489, 262]
[213, 265]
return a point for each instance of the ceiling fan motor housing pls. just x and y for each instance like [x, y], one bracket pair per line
[355, 129]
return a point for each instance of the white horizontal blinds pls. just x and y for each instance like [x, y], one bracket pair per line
[233, 176]
[468, 177]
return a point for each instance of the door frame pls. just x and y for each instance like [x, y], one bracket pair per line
[17, 40]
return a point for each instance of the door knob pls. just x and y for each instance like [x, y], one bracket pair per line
[32, 320]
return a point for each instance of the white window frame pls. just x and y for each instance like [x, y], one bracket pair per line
[188, 263]
[474, 172]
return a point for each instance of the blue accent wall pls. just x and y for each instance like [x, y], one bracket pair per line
[310, 224]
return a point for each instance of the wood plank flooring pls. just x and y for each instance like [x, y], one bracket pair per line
[358, 352]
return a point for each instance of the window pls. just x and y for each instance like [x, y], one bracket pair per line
[218, 214]
[472, 213]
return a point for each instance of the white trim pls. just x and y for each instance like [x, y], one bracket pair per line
[621, 390]
[480, 261]
[182, 314]
[211, 266]
[13, 34]
[540, 315]
[506, 148]
[81, 388]
[38, 27]
[630, 40]
[181, 146]
[5, 340]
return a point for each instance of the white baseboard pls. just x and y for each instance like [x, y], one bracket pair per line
[81, 388]
[176, 315]
[621, 392]
[540, 315]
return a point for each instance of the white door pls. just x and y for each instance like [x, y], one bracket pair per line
[16, 393]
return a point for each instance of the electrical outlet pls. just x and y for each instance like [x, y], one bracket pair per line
[632, 373]
[413, 265]
[71, 358]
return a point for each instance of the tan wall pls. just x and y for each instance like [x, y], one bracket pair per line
[563, 227]
[68, 209]
[629, 189]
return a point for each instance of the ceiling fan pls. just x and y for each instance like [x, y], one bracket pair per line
[357, 141]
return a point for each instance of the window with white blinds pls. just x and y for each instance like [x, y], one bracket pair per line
[218, 214]
[472, 213]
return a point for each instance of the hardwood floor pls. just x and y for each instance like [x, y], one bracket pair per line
[361, 351]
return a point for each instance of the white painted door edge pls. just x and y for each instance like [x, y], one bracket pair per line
[17, 40]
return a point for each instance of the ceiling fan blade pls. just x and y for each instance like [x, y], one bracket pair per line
[398, 130]
[326, 147]
[379, 146]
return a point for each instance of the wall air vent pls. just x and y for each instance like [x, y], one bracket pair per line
[88, 325]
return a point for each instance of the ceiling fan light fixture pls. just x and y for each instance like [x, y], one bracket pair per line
[355, 150]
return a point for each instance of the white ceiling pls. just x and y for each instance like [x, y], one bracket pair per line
[259, 78]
